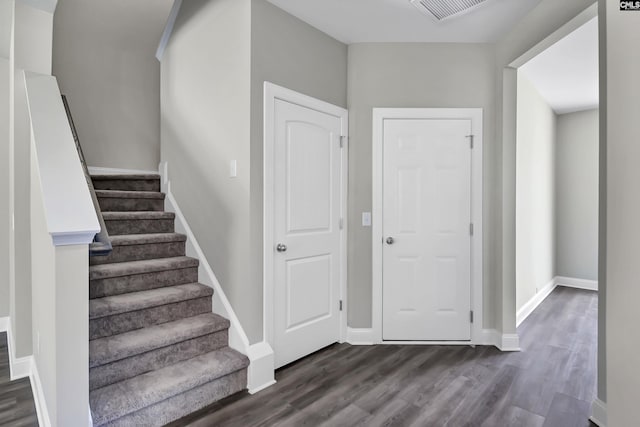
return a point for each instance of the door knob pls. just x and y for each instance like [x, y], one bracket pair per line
[281, 247]
[390, 241]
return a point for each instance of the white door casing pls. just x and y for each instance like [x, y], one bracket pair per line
[427, 192]
[426, 218]
[305, 246]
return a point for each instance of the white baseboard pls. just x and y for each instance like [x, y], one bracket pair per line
[19, 367]
[96, 170]
[261, 368]
[534, 302]
[599, 413]
[4, 324]
[571, 282]
[38, 396]
[509, 342]
[360, 336]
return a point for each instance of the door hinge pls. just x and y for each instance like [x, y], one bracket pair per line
[343, 141]
[341, 223]
[471, 316]
[471, 138]
[340, 305]
[471, 229]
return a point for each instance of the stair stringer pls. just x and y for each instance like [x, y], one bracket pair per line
[260, 373]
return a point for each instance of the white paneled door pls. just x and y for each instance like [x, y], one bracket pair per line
[307, 235]
[426, 230]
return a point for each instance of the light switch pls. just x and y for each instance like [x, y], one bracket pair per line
[233, 168]
[366, 219]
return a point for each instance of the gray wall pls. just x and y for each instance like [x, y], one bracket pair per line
[577, 195]
[547, 17]
[212, 113]
[6, 20]
[288, 52]
[32, 52]
[413, 75]
[535, 192]
[620, 119]
[205, 124]
[104, 59]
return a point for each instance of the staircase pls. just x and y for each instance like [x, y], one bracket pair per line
[156, 351]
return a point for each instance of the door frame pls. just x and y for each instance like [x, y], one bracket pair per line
[379, 116]
[272, 93]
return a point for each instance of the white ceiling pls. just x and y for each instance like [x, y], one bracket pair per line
[566, 74]
[357, 21]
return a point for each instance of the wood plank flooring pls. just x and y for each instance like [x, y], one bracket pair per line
[17, 408]
[551, 383]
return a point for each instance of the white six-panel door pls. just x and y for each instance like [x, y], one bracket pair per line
[426, 255]
[307, 235]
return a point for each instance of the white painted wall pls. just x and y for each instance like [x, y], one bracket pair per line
[535, 192]
[620, 111]
[104, 58]
[577, 195]
[414, 75]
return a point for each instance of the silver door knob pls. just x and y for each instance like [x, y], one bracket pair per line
[390, 241]
[281, 247]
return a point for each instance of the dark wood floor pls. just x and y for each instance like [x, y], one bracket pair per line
[551, 383]
[17, 408]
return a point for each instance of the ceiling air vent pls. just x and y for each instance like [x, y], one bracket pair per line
[443, 9]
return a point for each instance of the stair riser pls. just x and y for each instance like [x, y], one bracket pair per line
[141, 252]
[156, 359]
[183, 404]
[139, 226]
[125, 322]
[117, 204]
[127, 184]
[100, 288]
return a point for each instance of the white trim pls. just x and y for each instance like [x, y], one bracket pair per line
[261, 367]
[70, 215]
[19, 367]
[98, 170]
[42, 411]
[359, 336]
[272, 93]
[571, 282]
[599, 413]
[168, 29]
[578, 21]
[72, 239]
[475, 114]
[4, 324]
[260, 373]
[534, 302]
[509, 342]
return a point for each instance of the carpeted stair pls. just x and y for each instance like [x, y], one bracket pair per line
[156, 351]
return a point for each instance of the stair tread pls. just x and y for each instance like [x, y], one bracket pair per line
[143, 239]
[123, 194]
[128, 268]
[137, 215]
[116, 400]
[118, 177]
[123, 303]
[121, 346]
